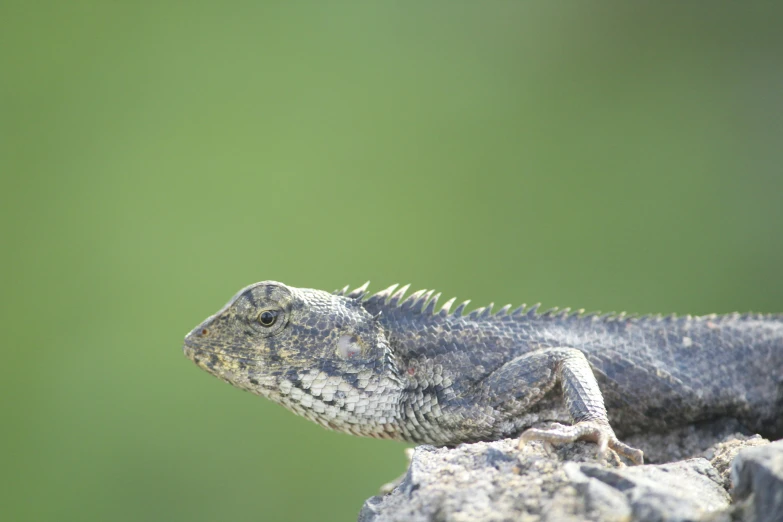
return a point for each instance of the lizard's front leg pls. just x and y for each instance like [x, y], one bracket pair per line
[529, 377]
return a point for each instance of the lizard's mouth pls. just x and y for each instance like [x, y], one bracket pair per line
[198, 354]
[194, 350]
[238, 371]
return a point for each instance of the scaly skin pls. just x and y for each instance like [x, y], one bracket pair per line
[381, 366]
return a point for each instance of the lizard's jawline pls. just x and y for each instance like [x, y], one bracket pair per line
[193, 351]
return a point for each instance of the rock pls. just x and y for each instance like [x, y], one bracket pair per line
[757, 474]
[686, 490]
[724, 453]
[694, 440]
[494, 481]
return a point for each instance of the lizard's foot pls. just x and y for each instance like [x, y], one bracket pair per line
[599, 433]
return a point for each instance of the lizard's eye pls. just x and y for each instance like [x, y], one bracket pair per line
[267, 318]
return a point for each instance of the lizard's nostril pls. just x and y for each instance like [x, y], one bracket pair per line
[204, 331]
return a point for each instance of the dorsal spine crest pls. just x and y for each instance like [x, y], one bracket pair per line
[424, 302]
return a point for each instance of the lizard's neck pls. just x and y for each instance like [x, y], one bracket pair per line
[367, 403]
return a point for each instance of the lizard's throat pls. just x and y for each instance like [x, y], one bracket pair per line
[363, 404]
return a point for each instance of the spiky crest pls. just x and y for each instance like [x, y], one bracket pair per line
[430, 308]
[360, 292]
[444, 311]
[425, 302]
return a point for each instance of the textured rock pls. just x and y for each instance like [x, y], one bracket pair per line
[757, 474]
[723, 454]
[494, 481]
[695, 440]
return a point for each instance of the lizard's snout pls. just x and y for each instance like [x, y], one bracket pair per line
[196, 337]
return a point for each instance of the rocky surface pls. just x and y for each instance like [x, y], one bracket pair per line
[757, 475]
[494, 481]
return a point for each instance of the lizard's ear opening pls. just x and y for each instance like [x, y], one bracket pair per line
[349, 346]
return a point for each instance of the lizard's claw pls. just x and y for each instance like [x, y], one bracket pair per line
[601, 434]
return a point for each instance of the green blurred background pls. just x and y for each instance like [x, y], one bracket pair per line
[157, 156]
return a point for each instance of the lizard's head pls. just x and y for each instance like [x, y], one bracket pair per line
[308, 349]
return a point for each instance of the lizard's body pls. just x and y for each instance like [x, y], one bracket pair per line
[380, 366]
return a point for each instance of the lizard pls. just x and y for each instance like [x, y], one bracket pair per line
[389, 366]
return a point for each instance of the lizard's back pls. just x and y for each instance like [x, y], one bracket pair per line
[659, 373]
[655, 373]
